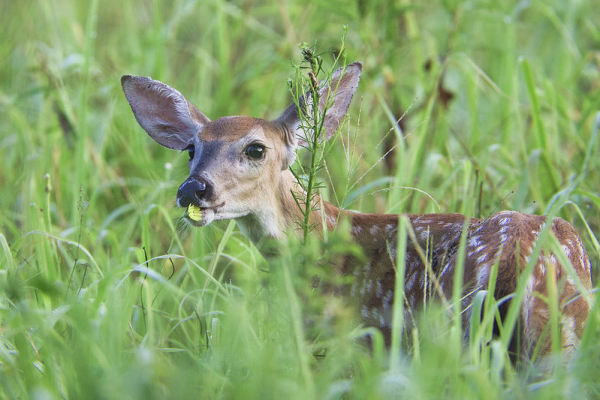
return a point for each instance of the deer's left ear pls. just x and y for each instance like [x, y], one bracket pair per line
[335, 97]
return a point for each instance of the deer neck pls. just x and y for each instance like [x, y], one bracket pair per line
[279, 213]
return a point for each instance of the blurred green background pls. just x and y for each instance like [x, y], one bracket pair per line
[499, 104]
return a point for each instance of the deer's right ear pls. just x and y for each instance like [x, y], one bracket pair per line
[163, 112]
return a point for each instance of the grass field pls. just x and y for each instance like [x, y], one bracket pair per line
[106, 295]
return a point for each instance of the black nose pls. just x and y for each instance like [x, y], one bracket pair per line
[192, 191]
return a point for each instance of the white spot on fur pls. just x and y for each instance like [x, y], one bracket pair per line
[387, 300]
[331, 220]
[375, 313]
[446, 267]
[382, 321]
[504, 221]
[483, 275]
[567, 249]
[412, 301]
[482, 259]
[528, 300]
[374, 230]
[411, 281]
[355, 230]
[415, 264]
[480, 248]
[580, 248]
[542, 268]
[569, 337]
[475, 241]
[389, 229]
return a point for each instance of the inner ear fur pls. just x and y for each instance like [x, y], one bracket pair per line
[164, 113]
[334, 97]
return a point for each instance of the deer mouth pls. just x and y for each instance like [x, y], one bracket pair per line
[201, 216]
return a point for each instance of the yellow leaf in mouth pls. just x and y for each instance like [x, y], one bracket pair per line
[194, 213]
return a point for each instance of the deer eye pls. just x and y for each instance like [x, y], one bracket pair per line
[191, 151]
[255, 151]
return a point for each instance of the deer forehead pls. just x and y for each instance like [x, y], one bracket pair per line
[234, 129]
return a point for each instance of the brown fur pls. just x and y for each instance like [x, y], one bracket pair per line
[507, 238]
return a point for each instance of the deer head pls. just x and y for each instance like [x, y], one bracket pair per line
[238, 165]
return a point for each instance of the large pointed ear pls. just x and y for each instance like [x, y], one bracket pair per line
[335, 95]
[163, 112]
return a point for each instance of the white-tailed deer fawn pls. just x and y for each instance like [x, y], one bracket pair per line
[239, 168]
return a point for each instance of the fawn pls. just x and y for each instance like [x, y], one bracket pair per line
[239, 168]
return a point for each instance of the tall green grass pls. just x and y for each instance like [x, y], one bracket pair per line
[106, 295]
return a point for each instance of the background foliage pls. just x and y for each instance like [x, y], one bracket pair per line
[500, 103]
